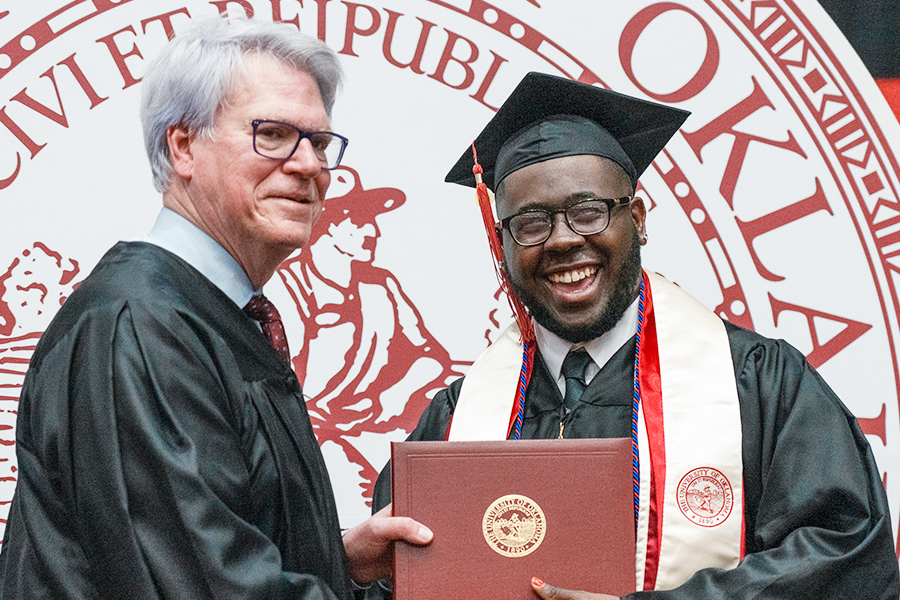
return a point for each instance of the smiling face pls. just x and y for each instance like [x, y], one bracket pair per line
[576, 286]
[258, 209]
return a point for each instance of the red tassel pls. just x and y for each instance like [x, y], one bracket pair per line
[487, 216]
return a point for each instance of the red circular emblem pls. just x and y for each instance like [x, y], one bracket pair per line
[705, 497]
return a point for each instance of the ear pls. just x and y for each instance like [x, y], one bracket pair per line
[180, 140]
[639, 216]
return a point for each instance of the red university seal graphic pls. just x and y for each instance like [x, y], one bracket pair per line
[705, 497]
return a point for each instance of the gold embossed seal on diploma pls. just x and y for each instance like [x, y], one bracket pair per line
[514, 525]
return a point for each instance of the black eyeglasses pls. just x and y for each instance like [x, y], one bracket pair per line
[279, 140]
[534, 226]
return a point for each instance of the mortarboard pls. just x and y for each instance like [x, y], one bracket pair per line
[549, 117]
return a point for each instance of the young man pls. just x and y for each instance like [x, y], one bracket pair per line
[754, 480]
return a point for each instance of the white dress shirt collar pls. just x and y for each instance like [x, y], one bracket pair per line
[185, 240]
[554, 349]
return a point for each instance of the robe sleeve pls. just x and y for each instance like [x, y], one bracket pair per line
[817, 523]
[139, 459]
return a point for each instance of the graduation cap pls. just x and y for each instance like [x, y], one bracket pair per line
[549, 117]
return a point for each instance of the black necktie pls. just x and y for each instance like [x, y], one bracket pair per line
[261, 309]
[573, 370]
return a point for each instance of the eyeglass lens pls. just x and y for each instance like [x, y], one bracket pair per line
[277, 140]
[534, 227]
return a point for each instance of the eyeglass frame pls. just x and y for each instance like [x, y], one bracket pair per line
[611, 203]
[304, 135]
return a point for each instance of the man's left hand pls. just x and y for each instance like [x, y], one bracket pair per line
[370, 544]
[549, 592]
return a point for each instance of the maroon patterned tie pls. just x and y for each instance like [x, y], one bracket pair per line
[260, 309]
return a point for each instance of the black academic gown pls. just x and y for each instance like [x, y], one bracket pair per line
[165, 451]
[817, 523]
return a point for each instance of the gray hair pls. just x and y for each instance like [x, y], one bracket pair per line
[192, 76]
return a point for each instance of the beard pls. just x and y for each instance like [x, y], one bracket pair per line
[621, 297]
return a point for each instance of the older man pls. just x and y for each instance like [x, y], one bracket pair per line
[752, 479]
[163, 441]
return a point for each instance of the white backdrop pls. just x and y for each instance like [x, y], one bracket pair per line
[776, 205]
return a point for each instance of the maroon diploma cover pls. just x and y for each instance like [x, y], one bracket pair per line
[504, 512]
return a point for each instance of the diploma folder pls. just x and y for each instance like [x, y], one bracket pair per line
[503, 512]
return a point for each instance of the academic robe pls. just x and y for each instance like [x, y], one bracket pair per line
[816, 514]
[165, 451]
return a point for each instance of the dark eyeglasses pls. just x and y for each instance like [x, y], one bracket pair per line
[534, 226]
[279, 140]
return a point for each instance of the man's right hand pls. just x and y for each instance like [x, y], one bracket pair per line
[370, 544]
